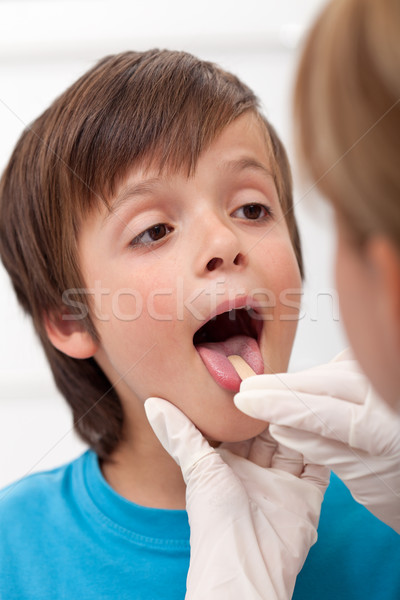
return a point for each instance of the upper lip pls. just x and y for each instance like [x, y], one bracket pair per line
[233, 303]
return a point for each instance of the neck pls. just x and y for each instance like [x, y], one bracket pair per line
[141, 470]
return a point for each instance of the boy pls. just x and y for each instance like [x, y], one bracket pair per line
[147, 202]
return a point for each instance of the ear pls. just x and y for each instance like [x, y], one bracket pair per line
[384, 259]
[70, 336]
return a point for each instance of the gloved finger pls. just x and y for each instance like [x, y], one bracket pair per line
[342, 382]
[288, 460]
[318, 475]
[328, 417]
[263, 449]
[376, 489]
[180, 438]
[315, 449]
[379, 434]
[273, 487]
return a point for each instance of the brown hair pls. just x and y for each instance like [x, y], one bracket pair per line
[347, 113]
[158, 106]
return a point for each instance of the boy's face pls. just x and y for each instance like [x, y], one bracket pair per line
[175, 252]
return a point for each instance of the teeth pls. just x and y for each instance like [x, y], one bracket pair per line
[232, 312]
[245, 307]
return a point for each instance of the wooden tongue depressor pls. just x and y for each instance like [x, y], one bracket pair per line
[241, 367]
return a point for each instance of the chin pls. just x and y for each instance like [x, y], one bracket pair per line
[239, 429]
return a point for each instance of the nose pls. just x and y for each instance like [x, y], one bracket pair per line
[220, 248]
[217, 262]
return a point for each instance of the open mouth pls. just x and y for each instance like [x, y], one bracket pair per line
[234, 322]
[236, 331]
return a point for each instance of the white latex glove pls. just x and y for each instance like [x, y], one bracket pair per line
[333, 417]
[251, 527]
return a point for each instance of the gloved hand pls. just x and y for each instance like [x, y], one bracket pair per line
[251, 526]
[333, 417]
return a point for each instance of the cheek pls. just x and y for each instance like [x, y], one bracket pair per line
[282, 273]
[126, 305]
[135, 356]
[138, 329]
[161, 305]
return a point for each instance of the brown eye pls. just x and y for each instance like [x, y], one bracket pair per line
[253, 212]
[157, 232]
[151, 235]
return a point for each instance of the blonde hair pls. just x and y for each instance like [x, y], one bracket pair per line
[347, 113]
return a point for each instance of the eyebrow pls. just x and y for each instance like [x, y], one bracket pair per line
[142, 188]
[242, 164]
[148, 186]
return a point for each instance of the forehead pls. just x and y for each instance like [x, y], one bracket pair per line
[243, 145]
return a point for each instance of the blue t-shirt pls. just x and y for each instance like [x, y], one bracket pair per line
[67, 534]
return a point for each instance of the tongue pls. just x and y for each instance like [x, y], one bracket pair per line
[214, 355]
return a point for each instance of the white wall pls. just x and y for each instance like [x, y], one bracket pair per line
[44, 46]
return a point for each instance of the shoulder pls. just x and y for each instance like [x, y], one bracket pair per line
[36, 496]
[38, 523]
